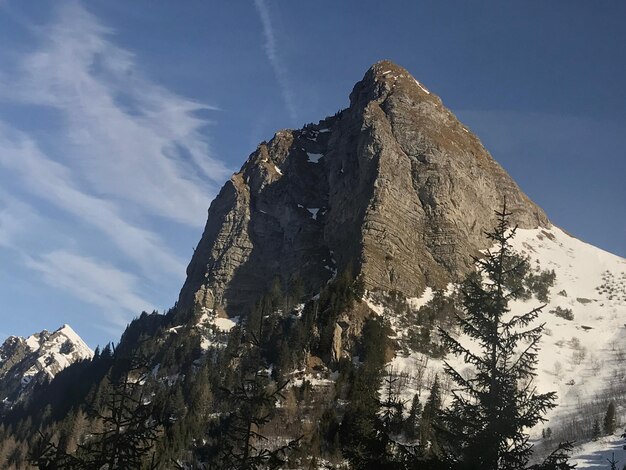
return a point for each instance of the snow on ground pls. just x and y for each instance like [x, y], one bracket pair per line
[596, 454]
[376, 307]
[583, 359]
[315, 379]
[416, 370]
[314, 157]
[225, 324]
[32, 342]
[212, 328]
[313, 211]
[422, 87]
[67, 331]
[418, 302]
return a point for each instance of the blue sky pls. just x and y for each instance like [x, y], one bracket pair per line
[119, 121]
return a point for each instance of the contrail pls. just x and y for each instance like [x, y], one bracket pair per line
[280, 71]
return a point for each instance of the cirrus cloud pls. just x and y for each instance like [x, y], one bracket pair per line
[105, 156]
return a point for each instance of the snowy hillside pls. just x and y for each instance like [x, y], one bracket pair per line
[596, 454]
[26, 361]
[583, 359]
[583, 350]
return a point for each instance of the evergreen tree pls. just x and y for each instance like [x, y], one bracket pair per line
[253, 400]
[491, 410]
[201, 399]
[175, 408]
[412, 423]
[128, 429]
[430, 418]
[557, 460]
[361, 443]
[391, 406]
[612, 462]
[609, 420]
[595, 432]
[370, 422]
[329, 432]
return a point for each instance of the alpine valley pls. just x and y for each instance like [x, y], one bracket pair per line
[308, 332]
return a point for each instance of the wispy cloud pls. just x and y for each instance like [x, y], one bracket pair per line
[113, 155]
[16, 219]
[87, 279]
[92, 281]
[128, 137]
[271, 50]
[54, 183]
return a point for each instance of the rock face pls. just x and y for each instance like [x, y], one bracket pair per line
[393, 186]
[25, 362]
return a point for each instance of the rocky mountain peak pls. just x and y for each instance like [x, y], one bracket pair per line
[384, 78]
[25, 362]
[393, 186]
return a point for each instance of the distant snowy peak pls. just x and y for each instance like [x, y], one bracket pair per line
[27, 361]
[62, 336]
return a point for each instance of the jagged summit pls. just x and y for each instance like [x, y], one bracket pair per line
[25, 362]
[394, 186]
[383, 78]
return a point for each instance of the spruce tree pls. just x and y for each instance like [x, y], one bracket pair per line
[253, 399]
[595, 432]
[557, 460]
[369, 421]
[412, 423]
[612, 462]
[130, 430]
[492, 409]
[391, 405]
[128, 433]
[430, 418]
[609, 420]
[359, 432]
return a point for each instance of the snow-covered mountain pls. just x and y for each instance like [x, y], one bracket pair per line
[25, 362]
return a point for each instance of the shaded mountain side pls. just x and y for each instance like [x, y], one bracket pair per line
[394, 186]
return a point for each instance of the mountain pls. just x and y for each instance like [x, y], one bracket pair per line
[336, 246]
[400, 191]
[25, 362]
[393, 186]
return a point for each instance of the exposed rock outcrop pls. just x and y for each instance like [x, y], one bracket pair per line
[394, 186]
